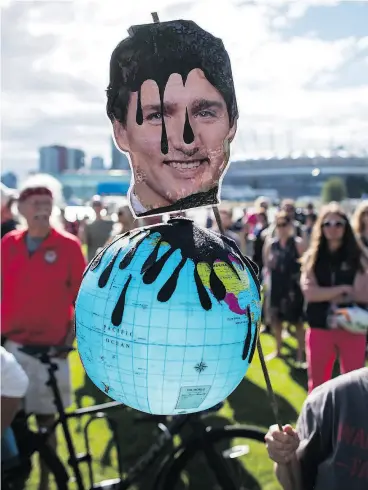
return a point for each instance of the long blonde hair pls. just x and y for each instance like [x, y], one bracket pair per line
[318, 245]
[357, 219]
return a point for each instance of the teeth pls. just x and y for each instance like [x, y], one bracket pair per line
[183, 166]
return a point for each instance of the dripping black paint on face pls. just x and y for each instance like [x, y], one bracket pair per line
[179, 116]
[191, 159]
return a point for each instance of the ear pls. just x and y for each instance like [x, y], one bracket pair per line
[232, 131]
[120, 134]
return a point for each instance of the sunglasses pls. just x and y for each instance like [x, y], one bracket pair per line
[282, 225]
[335, 224]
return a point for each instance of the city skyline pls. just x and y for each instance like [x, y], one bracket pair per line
[300, 72]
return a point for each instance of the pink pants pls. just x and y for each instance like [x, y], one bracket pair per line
[322, 348]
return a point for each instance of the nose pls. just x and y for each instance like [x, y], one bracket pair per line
[182, 136]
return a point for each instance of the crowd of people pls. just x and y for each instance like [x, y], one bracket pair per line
[313, 266]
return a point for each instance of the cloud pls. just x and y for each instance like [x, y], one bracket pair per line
[55, 59]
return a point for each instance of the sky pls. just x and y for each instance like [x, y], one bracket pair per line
[300, 69]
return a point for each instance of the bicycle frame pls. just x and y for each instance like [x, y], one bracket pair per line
[156, 450]
[97, 411]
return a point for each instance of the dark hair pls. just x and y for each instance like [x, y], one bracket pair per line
[284, 216]
[264, 215]
[312, 216]
[318, 251]
[155, 51]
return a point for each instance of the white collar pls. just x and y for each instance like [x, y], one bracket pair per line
[137, 206]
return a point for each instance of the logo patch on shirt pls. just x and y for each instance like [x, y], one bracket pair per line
[50, 256]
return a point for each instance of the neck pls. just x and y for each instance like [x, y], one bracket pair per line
[147, 196]
[334, 245]
[38, 232]
[283, 239]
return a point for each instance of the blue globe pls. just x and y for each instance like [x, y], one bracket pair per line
[166, 318]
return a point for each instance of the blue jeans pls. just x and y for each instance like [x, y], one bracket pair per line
[9, 449]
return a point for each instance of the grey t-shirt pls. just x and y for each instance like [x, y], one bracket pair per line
[33, 243]
[333, 429]
[97, 233]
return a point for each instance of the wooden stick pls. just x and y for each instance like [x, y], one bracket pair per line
[270, 391]
[155, 18]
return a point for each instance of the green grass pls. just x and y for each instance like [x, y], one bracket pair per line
[249, 405]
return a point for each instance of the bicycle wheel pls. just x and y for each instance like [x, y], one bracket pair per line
[236, 448]
[26, 475]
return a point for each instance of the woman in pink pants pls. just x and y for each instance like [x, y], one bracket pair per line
[334, 274]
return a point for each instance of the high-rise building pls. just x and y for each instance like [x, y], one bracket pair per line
[56, 159]
[75, 159]
[119, 160]
[50, 157]
[97, 163]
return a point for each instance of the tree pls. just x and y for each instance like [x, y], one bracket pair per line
[334, 189]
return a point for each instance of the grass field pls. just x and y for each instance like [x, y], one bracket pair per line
[247, 405]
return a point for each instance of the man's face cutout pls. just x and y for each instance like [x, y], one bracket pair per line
[177, 130]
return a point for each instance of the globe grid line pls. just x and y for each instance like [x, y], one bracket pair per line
[158, 344]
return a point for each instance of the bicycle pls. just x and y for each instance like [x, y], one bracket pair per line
[200, 442]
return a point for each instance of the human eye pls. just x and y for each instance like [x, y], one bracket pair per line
[154, 116]
[205, 114]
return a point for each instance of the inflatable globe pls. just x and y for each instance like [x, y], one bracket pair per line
[166, 318]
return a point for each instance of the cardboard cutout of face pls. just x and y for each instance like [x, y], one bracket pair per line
[172, 104]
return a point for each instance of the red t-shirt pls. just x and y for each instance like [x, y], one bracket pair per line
[38, 290]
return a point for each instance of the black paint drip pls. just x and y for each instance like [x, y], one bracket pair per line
[95, 262]
[196, 244]
[117, 314]
[164, 140]
[139, 114]
[104, 277]
[248, 337]
[188, 135]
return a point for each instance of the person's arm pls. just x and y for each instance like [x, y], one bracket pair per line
[9, 408]
[266, 252]
[300, 246]
[14, 384]
[313, 293]
[76, 269]
[84, 238]
[282, 447]
[301, 452]
[360, 288]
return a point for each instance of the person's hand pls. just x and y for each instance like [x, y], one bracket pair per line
[346, 289]
[281, 446]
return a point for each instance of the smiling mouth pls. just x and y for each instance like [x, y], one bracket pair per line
[186, 164]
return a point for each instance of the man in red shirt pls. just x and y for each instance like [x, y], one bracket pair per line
[42, 270]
